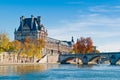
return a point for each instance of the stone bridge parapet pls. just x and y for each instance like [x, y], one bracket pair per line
[113, 57]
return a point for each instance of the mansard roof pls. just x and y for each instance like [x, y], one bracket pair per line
[67, 43]
[27, 23]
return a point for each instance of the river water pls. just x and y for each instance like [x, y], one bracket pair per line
[59, 72]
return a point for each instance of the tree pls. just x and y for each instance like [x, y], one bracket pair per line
[32, 48]
[39, 44]
[5, 44]
[10, 47]
[28, 48]
[84, 45]
[89, 45]
[16, 45]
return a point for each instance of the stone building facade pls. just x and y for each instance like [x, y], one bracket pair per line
[32, 28]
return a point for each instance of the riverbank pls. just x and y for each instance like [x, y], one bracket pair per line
[1, 64]
[14, 59]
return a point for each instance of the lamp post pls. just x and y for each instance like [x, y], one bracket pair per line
[94, 49]
[58, 47]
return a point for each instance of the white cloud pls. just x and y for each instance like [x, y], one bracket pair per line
[91, 25]
[105, 9]
[111, 47]
[96, 26]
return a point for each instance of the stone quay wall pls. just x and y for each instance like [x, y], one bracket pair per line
[9, 58]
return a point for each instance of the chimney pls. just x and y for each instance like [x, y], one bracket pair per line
[32, 21]
[39, 20]
[21, 21]
[72, 40]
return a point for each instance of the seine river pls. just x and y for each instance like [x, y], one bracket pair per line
[59, 72]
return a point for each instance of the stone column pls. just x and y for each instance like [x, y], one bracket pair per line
[32, 21]
[85, 60]
[113, 60]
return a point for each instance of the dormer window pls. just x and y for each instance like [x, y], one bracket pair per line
[42, 27]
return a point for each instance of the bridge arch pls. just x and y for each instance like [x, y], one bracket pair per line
[118, 61]
[114, 59]
[74, 59]
[94, 59]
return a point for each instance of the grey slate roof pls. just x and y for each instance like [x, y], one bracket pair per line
[27, 22]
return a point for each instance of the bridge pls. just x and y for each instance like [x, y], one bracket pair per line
[113, 57]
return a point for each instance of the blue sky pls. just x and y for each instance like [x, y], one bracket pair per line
[98, 19]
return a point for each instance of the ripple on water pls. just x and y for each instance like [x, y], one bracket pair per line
[71, 72]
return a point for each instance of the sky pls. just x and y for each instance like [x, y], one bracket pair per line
[98, 19]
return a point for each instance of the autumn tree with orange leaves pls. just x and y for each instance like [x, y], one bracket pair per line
[32, 48]
[84, 45]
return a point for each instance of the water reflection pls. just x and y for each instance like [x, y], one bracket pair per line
[85, 66]
[59, 72]
[6, 70]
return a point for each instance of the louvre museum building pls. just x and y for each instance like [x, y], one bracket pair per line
[32, 28]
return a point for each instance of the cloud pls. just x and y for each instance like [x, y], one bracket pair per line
[109, 47]
[93, 25]
[98, 9]
[117, 7]
[105, 9]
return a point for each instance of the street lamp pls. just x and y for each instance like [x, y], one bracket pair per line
[58, 47]
[94, 49]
